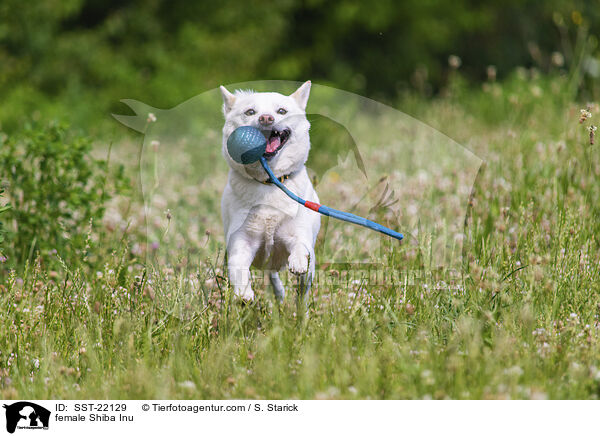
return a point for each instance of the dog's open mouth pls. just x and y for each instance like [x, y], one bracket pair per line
[276, 139]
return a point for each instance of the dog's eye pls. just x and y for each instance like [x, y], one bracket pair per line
[250, 112]
[281, 111]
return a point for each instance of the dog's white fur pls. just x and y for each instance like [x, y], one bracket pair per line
[264, 227]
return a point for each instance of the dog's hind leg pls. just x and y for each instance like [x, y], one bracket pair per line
[304, 285]
[304, 282]
[278, 288]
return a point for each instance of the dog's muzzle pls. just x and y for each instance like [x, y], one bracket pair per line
[276, 139]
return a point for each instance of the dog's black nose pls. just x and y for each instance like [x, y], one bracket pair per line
[266, 119]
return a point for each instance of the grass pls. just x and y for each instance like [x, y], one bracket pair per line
[519, 320]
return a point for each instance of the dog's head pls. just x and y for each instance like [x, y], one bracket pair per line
[281, 118]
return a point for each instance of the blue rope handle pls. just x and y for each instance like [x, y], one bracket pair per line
[328, 211]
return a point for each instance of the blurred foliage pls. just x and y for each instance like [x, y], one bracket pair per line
[78, 58]
[56, 190]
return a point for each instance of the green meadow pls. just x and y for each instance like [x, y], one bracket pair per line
[92, 309]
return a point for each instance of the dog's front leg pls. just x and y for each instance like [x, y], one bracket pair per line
[241, 253]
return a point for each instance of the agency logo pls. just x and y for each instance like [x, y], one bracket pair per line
[26, 415]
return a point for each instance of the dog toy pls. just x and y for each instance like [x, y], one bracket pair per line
[247, 145]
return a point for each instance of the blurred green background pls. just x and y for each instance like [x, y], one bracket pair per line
[75, 59]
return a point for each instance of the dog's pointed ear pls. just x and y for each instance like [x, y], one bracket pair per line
[301, 94]
[228, 100]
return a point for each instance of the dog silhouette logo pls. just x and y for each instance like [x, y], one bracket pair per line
[26, 415]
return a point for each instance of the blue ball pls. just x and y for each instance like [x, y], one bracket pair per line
[246, 145]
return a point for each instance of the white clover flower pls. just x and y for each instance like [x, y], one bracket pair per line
[514, 370]
[454, 61]
[584, 114]
[188, 384]
[558, 59]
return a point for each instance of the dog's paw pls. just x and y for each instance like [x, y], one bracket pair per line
[298, 262]
[246, 294]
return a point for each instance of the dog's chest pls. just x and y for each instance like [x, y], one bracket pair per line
[265, 215]
[266, 225]
[265, 222]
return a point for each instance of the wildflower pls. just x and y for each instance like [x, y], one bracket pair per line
[169, 216]
[136, 250]
[155, 145]
[584, 115]
[592, 130]
[454, 61]
[514, 370]
[151, 118]
[491, 73]
[3, 259]
[558, 60]
[539, 395]
[188, 384]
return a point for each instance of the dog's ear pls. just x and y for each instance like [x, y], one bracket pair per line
[228, 100]
[301, 94]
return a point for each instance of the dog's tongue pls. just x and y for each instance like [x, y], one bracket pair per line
[273, 144]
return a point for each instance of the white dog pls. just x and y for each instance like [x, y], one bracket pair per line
[264, 227]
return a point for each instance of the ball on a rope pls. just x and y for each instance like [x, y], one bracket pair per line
[246, 145]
